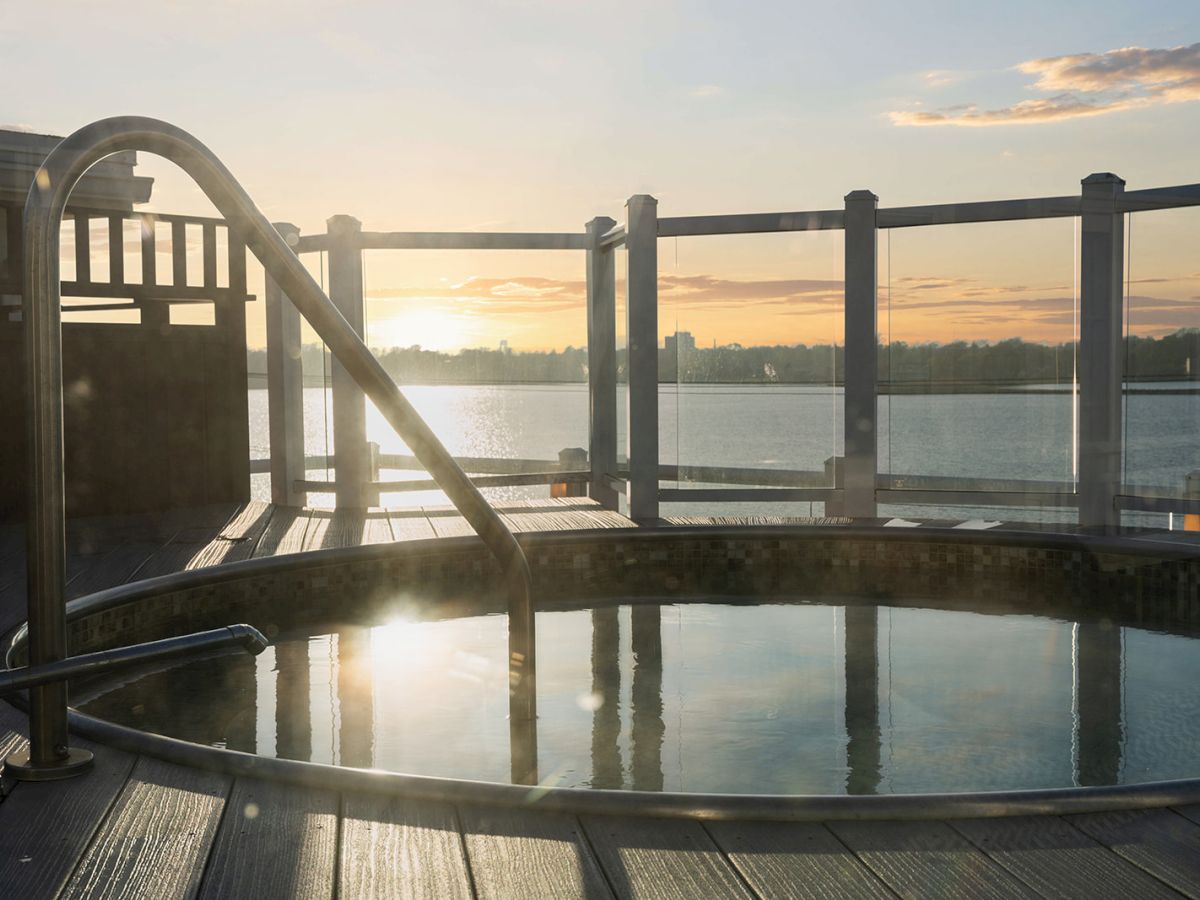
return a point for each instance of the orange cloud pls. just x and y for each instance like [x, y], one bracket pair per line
[1086, 84]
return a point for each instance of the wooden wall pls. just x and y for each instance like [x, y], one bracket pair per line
[156, 417]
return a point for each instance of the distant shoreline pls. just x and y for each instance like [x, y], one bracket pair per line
[258, 381]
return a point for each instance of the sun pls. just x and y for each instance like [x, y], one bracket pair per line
[420, 322]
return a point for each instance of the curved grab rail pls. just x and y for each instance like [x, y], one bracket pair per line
[43, 340]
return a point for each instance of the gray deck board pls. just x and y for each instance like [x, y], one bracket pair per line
[156, 838]
[45, 827]
[1057, 859]
[1164, 843]
[410, 524]
[525, 853]
[448, 522]
[661, 858]
[114, 568]
[237, 539]
[284, 532]
[398, 848]
[274, 841]
[928, 859]
[1189, 812]
[795, 859]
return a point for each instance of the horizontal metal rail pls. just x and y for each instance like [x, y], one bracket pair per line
[751, 223]
[453, 240]
[745, 495]
[428, 484]
[85, 665]
[985, 211]
[614, 237]
[1159, 198]
[471, 240]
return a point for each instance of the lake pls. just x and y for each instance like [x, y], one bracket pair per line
[1026, 435]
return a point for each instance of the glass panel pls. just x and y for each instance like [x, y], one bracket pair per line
[977, 329]
[491, 348]
[751, 328]
[1162, 359]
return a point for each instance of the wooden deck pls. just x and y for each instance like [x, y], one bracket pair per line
[140, 827]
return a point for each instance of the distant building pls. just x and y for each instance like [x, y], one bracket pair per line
[679, 342]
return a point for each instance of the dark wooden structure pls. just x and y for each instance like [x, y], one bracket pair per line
[156, 413]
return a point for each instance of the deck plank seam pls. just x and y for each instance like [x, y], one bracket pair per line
[462, 848]
[1014, 871]
[591, 849]
[86, 847]
[1139, 860]
[737, 873]
[339, 829]
[861, 862]
[262, 535]
[212, 844]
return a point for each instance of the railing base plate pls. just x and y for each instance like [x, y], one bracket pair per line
[20, 767]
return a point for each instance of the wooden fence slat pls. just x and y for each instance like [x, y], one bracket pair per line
[116, 249]
[179, 254]
[83, 248]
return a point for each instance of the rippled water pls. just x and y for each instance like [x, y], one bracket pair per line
[709, 697]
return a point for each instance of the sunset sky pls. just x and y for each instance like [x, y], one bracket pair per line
[530, 115]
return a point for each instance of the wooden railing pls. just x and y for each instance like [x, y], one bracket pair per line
[154, 291]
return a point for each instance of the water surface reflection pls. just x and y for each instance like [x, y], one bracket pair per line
[768, 698]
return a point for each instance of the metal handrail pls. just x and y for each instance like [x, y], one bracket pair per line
[46, 540]
[85, 665]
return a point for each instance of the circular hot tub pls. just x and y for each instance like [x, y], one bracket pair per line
[783, 672]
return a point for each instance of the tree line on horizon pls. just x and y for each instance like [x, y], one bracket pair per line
[1010, 361]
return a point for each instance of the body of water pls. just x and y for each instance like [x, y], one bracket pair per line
[1024, 435]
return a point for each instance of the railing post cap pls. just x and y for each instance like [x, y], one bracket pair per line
[343, 223]
[641, 199]
[862, 195]
[1103, 178]
[286, 227]
[601, 223]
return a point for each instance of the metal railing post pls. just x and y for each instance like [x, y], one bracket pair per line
[352, 460]
[50, 756]
[642, 330]
[602, 363]
[861, 367]
[285, 388]
[1101, 369]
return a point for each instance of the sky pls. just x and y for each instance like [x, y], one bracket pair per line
[530, 115]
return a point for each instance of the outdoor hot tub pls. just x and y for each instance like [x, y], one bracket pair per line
[751, 668]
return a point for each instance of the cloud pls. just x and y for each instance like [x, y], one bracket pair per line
[1082, 85]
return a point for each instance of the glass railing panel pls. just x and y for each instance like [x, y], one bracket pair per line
[1162, 361]
[750, 348]
[491, 349]
[977, 369]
